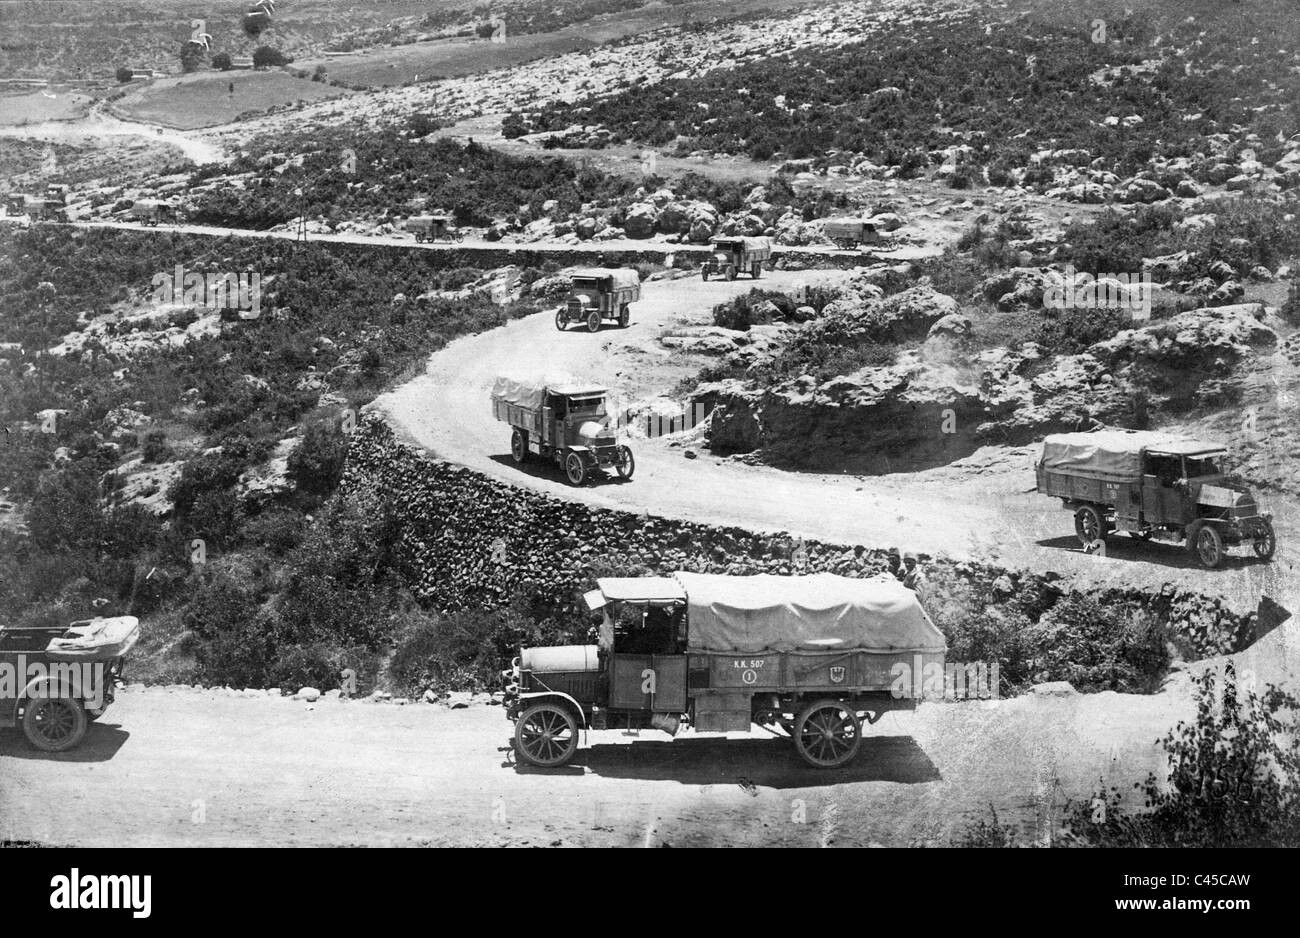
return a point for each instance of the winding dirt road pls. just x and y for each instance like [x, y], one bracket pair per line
[983, 506]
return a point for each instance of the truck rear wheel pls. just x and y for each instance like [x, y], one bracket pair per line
[624, 316]
[1089, 526]
[546, 735]
[827, 734]
[756, 269]
[1206, 545]
[574, 469]
[1266, 544]
[518, 446]
[54, 724]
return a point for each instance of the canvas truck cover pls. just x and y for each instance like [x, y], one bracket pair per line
[622, 278]
[845, 226]
[522, 392]
[1112, 452]
[819, 612]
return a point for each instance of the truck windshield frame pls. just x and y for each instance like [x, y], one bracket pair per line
[586, 407]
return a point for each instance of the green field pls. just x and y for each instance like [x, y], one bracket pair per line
[206, 99]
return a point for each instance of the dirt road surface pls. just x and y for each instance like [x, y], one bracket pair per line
[190, 767]
[186, 766]
[981, 507]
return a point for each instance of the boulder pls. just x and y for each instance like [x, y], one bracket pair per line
[640, 220]
[309, 694]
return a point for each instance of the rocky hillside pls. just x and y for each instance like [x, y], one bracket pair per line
[467, 542]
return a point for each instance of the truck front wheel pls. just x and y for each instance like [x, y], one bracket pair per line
[1089, 526]
[626, 464]
[574, 469]
[593, 321]
[731, 273]
[546, 735]
[561, 319]
[54, 724]
[1266, 543]
[1206, 544]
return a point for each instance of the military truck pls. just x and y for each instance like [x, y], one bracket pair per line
[734, 254]
[851, 233]
[564, 422]
[62, 679]
[597, 294]
[432, 228]
[152, 211]
[1152, 485]
[806, 657]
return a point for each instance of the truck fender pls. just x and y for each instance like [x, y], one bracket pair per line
[579, 449]
[537, 696]
[57, 687]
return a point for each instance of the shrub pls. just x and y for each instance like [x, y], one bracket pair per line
[316, 464]
[222, 61]
[1233, 778]
[269, 57]
[124, 74]
[154, 448]
[462, 650]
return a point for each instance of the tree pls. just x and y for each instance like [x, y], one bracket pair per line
[194, 56]
[222, 61]
[269, 57]
[124, 74]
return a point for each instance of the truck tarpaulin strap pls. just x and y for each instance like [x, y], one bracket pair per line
[822, 611]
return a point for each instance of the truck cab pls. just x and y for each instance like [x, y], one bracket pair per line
[597, 294]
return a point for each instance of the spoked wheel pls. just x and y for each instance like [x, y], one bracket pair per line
[546, 735]
[561, 319]
[593, 321]
[1266, 543]
[1207, 547]
[518, 446]
[731, 273]
[1088, 525]
[574, 469]
[756, 269]
[827, 734]
[54, 724]
[626, 464]
[624, 316]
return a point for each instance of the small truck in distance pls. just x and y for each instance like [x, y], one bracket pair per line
[432, 228]
[597, 294]
[1153, 485]
[566, 423]
[851, 233]
[807, 657]
[734, 254]
[152, 211]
